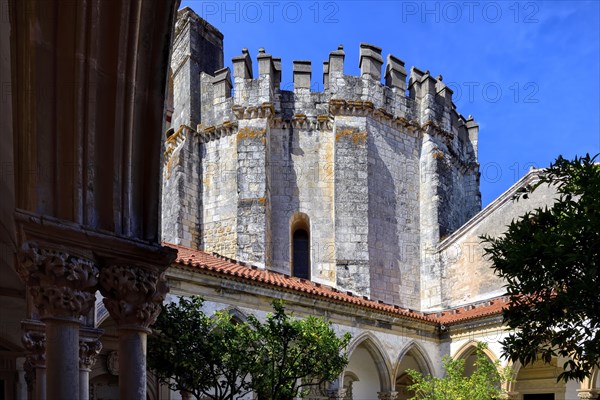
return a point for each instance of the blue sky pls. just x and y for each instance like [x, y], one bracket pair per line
[529, 72]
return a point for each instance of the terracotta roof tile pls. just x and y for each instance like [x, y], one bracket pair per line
[472, 311]
[226, 267]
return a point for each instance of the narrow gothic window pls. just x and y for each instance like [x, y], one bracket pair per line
[301, 254]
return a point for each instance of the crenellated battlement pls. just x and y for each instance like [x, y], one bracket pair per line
[423, 103]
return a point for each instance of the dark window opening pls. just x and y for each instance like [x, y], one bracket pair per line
[301, 254]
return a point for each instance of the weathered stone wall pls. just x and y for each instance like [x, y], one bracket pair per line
[253, 207]
[302, 182]
[393, 189]
[461, 255]
[197, 48]
[352, 204]
[181, 221]
[218, 188]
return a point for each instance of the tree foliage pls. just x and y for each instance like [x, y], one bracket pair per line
[295, 354]
[484, 384]
[549, 259]
[218, 358]
[198, 354]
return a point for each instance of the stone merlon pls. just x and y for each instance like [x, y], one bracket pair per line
[370, 61]
[242, 65]
[423, 100]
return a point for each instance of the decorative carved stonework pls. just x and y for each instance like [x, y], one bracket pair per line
[35, 343]
[89, 348]
[133, 294]
[588, 394]
[387, 395]
[61, 285]
[112, 363]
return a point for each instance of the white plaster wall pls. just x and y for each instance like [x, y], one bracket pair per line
[362, 365]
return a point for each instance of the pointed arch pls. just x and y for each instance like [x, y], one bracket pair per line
[300, 246]
[375, 349]
[420, 356]
[469, 348]
[236, 314]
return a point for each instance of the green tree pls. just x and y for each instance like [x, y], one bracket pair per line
[484, 384]
[295, 354]
[549, 259]
[205, 356]
[221, 359]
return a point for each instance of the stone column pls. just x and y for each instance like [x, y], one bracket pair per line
[387, 395]
[62, 288]
[35, 363]
[89, 348]
[133, 295]
[21, 393]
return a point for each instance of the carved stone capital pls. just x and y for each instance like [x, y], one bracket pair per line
[588, 394]
[61, 285]
[133, 294]
[89, 348]
[387, 395]
[35, 343]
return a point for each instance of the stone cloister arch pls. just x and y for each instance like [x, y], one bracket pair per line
[467, 353]
[413, 356]
[371, 367]
[537, 378]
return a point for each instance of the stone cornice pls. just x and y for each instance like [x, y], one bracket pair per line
[266, 110]
[304, 122]
[84, 242]
[505, 197]
[211, 133]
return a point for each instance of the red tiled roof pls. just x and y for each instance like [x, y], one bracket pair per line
[474, 311]
[226, 267]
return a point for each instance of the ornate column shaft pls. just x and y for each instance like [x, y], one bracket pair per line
[34, 340]
[62, 287]
[89, 348]
[21, 386]
[133, 295]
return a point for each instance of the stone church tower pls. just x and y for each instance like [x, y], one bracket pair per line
[352, 187]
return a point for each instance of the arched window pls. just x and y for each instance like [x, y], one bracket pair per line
[300, 251]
